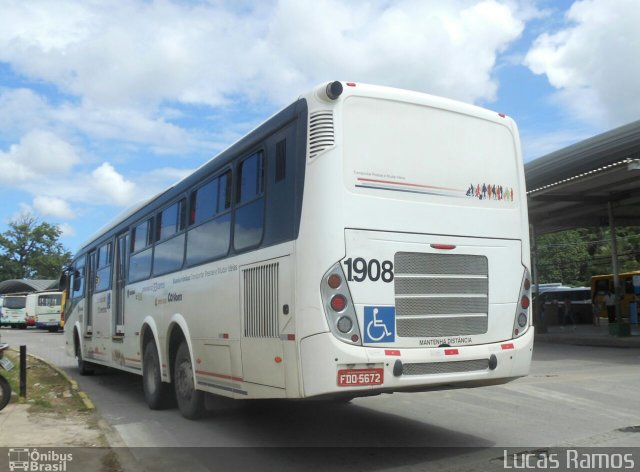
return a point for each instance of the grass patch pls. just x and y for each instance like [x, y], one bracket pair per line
[47, 390]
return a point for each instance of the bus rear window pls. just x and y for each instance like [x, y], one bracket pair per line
[14, 302]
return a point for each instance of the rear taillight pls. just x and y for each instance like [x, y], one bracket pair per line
[338, 306]
[338, 303]
[523, 315]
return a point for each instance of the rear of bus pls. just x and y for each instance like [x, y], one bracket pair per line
[13, 311]
[413, 254]
[48, 311]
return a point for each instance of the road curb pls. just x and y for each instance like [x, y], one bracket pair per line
[88, 404]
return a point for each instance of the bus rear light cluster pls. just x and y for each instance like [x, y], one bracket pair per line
[338, 307]
[522, 317]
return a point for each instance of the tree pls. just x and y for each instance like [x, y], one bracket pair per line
[30, 249]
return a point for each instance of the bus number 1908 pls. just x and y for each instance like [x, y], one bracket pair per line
[359, 269]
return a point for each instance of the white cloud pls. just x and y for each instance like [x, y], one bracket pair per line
[67, 230]
[53, 206]
[593, 62]
[113, 55]
[39, 153]
[111, 185]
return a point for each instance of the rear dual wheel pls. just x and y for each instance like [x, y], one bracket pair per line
[190, 401]
[157, 393]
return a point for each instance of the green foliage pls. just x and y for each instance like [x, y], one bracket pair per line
[30, 249]
[573, 256]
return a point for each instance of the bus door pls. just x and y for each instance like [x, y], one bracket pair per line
[120, 280]
[266, 307]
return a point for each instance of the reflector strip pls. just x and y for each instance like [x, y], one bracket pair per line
[507, 346]
[287, 337]
[392, 352]
[223, 335]
[220, 376]
[451, 352]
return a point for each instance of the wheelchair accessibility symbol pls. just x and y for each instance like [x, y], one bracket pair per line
[380, 324]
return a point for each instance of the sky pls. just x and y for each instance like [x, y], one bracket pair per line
[105, 103]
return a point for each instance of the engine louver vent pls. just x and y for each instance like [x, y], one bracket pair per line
[261, 301]
[321, 134]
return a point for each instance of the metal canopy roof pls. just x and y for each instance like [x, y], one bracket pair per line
[24, 285]
[571, 187]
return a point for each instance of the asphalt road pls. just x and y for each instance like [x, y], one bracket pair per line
[574, 396]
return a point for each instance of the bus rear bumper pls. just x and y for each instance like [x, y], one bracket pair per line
[325, 360]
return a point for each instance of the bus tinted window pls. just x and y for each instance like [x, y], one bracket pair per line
[250, 178]
[104, 255]
[78, 274]
[211, 199]
[204, 202]
[250, 211]
[209, 240]
[141, 236]
[14, 302]
[103, 271]
[168, 255]
[140, 265]
[171, 220]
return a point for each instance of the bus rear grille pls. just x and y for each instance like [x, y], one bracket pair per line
[429, 368]
[441, 294]
[261, 301]
[321, 134]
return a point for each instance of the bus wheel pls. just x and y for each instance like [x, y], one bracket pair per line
[190, 400]
[156, 393]
[84, 367]
[5, 392]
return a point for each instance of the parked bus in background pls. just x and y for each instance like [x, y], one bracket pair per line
[13, 310]
[44, 307]
[602, 284]
[363, 240]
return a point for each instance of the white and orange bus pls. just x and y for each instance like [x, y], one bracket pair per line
[362, 240]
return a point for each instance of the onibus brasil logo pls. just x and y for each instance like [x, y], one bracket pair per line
[33, 460]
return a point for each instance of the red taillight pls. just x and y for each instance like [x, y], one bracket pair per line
[351, 84]
[334, 281]
[338, 303]
[443, 246]
[355, 338]
[502, 115]
[524, 302]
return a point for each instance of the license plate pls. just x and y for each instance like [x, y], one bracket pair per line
[360, 377]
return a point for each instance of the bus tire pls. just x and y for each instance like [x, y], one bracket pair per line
[190, 401]
[156, 392]
[84, 367]
[5, 392]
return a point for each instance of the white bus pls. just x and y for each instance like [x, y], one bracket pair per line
[45, 309]
[363, 240]
[13, 311]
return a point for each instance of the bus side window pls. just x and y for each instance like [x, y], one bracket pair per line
[78, 276]
[210, 220]
[169, 252]
[103, 270]
[249, 221]
[140, 259]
